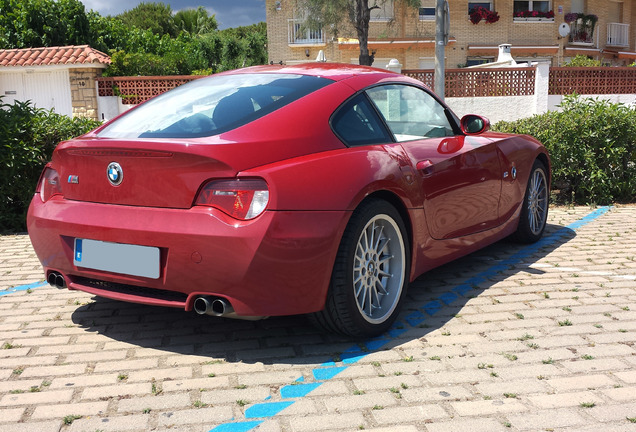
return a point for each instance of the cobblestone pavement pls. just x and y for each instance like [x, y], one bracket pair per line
[511, 338]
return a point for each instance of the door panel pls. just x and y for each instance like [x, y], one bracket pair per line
[461, 181]
[460, 176]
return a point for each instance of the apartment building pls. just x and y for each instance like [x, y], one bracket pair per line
[600, 29]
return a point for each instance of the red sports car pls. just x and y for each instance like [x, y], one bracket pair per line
[316, 189]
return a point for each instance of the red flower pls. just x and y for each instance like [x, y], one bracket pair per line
[480, 13]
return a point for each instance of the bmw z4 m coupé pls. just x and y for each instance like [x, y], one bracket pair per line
[317, 189]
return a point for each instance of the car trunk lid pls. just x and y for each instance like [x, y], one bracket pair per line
[153, 174]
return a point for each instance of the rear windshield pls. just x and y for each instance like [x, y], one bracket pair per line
[210, 106]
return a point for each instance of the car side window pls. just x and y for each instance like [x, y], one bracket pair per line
[357, 123]
[411, 113]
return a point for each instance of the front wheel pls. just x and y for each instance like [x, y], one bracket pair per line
[534, 210]
[370, 275]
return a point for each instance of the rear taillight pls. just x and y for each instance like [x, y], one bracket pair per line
[49, 184]
[241, 199]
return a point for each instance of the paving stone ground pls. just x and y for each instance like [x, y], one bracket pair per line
[545, 344]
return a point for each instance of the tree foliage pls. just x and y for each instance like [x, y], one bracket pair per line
[339, 15]
[156, 17]
[36, 23]
[146, 40]
[195, 21]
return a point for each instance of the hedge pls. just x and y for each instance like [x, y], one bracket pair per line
[28, 136]
[592, 145]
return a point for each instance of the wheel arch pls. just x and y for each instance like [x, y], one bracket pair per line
[543, 158]
[401, 208]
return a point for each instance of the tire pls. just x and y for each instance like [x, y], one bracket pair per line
[534, 210]
[371, 273]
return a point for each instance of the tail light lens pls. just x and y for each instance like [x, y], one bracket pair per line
[49, 184]
[241, 199]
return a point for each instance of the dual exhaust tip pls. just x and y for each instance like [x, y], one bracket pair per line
[219, 307]
[56, 279]
[213, 306]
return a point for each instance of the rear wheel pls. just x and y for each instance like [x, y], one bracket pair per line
[371, 272]
[534, 211]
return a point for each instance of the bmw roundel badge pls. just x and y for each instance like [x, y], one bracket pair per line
[115, 173]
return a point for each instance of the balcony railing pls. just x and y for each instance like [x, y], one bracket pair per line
[297, 35]
[618, 34]
[581, 32]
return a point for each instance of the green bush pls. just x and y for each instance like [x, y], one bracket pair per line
[28, 136]
[583, 61]
[592, 145]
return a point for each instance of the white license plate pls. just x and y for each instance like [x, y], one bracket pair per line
[117, 258]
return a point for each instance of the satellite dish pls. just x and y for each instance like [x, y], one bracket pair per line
[564, 29]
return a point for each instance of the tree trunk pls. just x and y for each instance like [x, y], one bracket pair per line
[363, 16]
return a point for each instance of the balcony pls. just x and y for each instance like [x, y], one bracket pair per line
[618, 35]
[581, 32]
[297, 35]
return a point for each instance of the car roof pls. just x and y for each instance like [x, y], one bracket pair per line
[333, 71]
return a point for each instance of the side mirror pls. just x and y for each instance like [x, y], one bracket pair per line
[473, 124]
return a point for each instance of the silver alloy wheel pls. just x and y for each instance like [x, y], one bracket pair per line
[379, 269]
[537, 201]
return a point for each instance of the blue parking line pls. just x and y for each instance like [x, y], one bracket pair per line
[23, 288]
[328, 370]
[238, 426]
[353, 354]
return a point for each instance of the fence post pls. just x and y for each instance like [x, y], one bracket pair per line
[541, 84]
[394, 66]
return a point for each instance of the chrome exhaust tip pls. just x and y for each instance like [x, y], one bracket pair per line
[202, 305]
[56, 279]
[219, 307]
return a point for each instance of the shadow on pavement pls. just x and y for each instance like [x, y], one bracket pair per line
[436, 297]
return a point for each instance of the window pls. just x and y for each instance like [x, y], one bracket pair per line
[578, 6]
[210, 106]
[427, 10]
[533, 5]
[474, 61]
[486, 5]
[410, 112]
[356, 123]
[384, 11]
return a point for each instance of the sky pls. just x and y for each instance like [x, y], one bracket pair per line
[229, 13]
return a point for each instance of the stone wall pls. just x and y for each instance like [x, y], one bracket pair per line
[84, 91]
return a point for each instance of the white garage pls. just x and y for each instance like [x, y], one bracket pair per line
[59, 78]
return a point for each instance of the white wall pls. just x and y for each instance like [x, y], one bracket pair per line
[45, 89]
[109, 107]
[628, 99]
[495, 108]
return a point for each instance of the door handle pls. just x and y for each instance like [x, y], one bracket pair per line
[426, 166]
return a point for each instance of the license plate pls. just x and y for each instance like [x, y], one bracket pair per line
[120, 258]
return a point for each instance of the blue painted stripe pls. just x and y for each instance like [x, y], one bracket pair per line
[23, 288]
[448, 298]
[354, 353]
[269, 409]
[432, 307]
[327, 373]
[298, 390]
[236, 427]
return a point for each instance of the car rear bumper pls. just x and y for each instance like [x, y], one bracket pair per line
[277, 264]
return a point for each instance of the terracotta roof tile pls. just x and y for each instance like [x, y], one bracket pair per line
[79, 54]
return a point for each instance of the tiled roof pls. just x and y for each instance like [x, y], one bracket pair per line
[49, 56]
